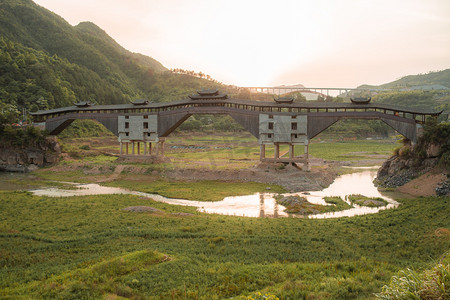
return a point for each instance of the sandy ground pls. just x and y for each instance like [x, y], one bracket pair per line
[424, 185]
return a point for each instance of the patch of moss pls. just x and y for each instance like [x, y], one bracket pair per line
[367, 201]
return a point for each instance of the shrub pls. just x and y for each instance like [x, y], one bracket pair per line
[430, 284]
[260, 296]
[21, 137]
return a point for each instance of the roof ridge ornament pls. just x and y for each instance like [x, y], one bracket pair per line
[211, 94]
[140, 102]
[284, 99]
[83, 104]
[361, 100]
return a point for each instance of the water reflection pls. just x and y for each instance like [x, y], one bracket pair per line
[355, 183]
[257, 205]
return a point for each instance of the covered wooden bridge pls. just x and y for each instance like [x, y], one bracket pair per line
[273, 123]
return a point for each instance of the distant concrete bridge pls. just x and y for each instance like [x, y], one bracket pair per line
[333, 91]
[271, 122]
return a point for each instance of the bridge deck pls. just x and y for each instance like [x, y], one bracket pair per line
[330, 108]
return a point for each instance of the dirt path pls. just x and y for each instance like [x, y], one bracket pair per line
[114, 175]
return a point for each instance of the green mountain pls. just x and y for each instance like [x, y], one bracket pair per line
[423, 91]
[45, 63]
[439, 78]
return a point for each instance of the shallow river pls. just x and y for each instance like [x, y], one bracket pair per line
[257, 205]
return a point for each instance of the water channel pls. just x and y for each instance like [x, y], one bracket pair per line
[257, 205]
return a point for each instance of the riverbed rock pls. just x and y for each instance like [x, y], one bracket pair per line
[433, 150]
[142, 208]
[443, 188]
[398, 171]
[29, 159]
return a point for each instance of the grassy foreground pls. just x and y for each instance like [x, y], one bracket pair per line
[89, 247]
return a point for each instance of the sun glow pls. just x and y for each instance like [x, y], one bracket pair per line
[247, 42]
[268, 42]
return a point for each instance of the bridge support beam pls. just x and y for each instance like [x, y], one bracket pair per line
[141, 148]
[276, 154]
[317, 124]
[408, 130]
[262, 152]
[55, 126]
[306, 165]
[161, 146]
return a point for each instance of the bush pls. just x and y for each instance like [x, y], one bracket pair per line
[21, 137]
[430, 284]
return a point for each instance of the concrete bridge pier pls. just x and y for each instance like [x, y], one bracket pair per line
[262, 152]
[161, 142]
[140, 148]
[277, 151]
[306, 163]
[123, 148]
[278, 158]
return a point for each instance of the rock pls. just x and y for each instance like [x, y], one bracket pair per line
[396, 166]
[35, 157]
[384, 169]
[51, 158]
[443, 189]
[183, 214]
[405, 151]
[141, 208]
[29, 159]
[397, 171]
[433, 150]
[31, 168]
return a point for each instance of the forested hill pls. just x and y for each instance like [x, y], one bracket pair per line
[439, 78]
[45, 63]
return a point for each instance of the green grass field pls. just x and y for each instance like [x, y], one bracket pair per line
[88, 247]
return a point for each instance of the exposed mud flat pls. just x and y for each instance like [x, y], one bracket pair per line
[291, 178]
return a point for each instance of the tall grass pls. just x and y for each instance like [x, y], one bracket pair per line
[432, 283]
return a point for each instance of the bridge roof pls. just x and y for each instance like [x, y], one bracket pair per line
[303, 105]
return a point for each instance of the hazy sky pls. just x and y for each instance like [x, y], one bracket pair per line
[333, 43]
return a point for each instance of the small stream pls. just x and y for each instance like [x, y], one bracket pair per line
[257, 205]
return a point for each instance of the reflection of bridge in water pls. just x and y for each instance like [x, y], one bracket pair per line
[273, 123]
